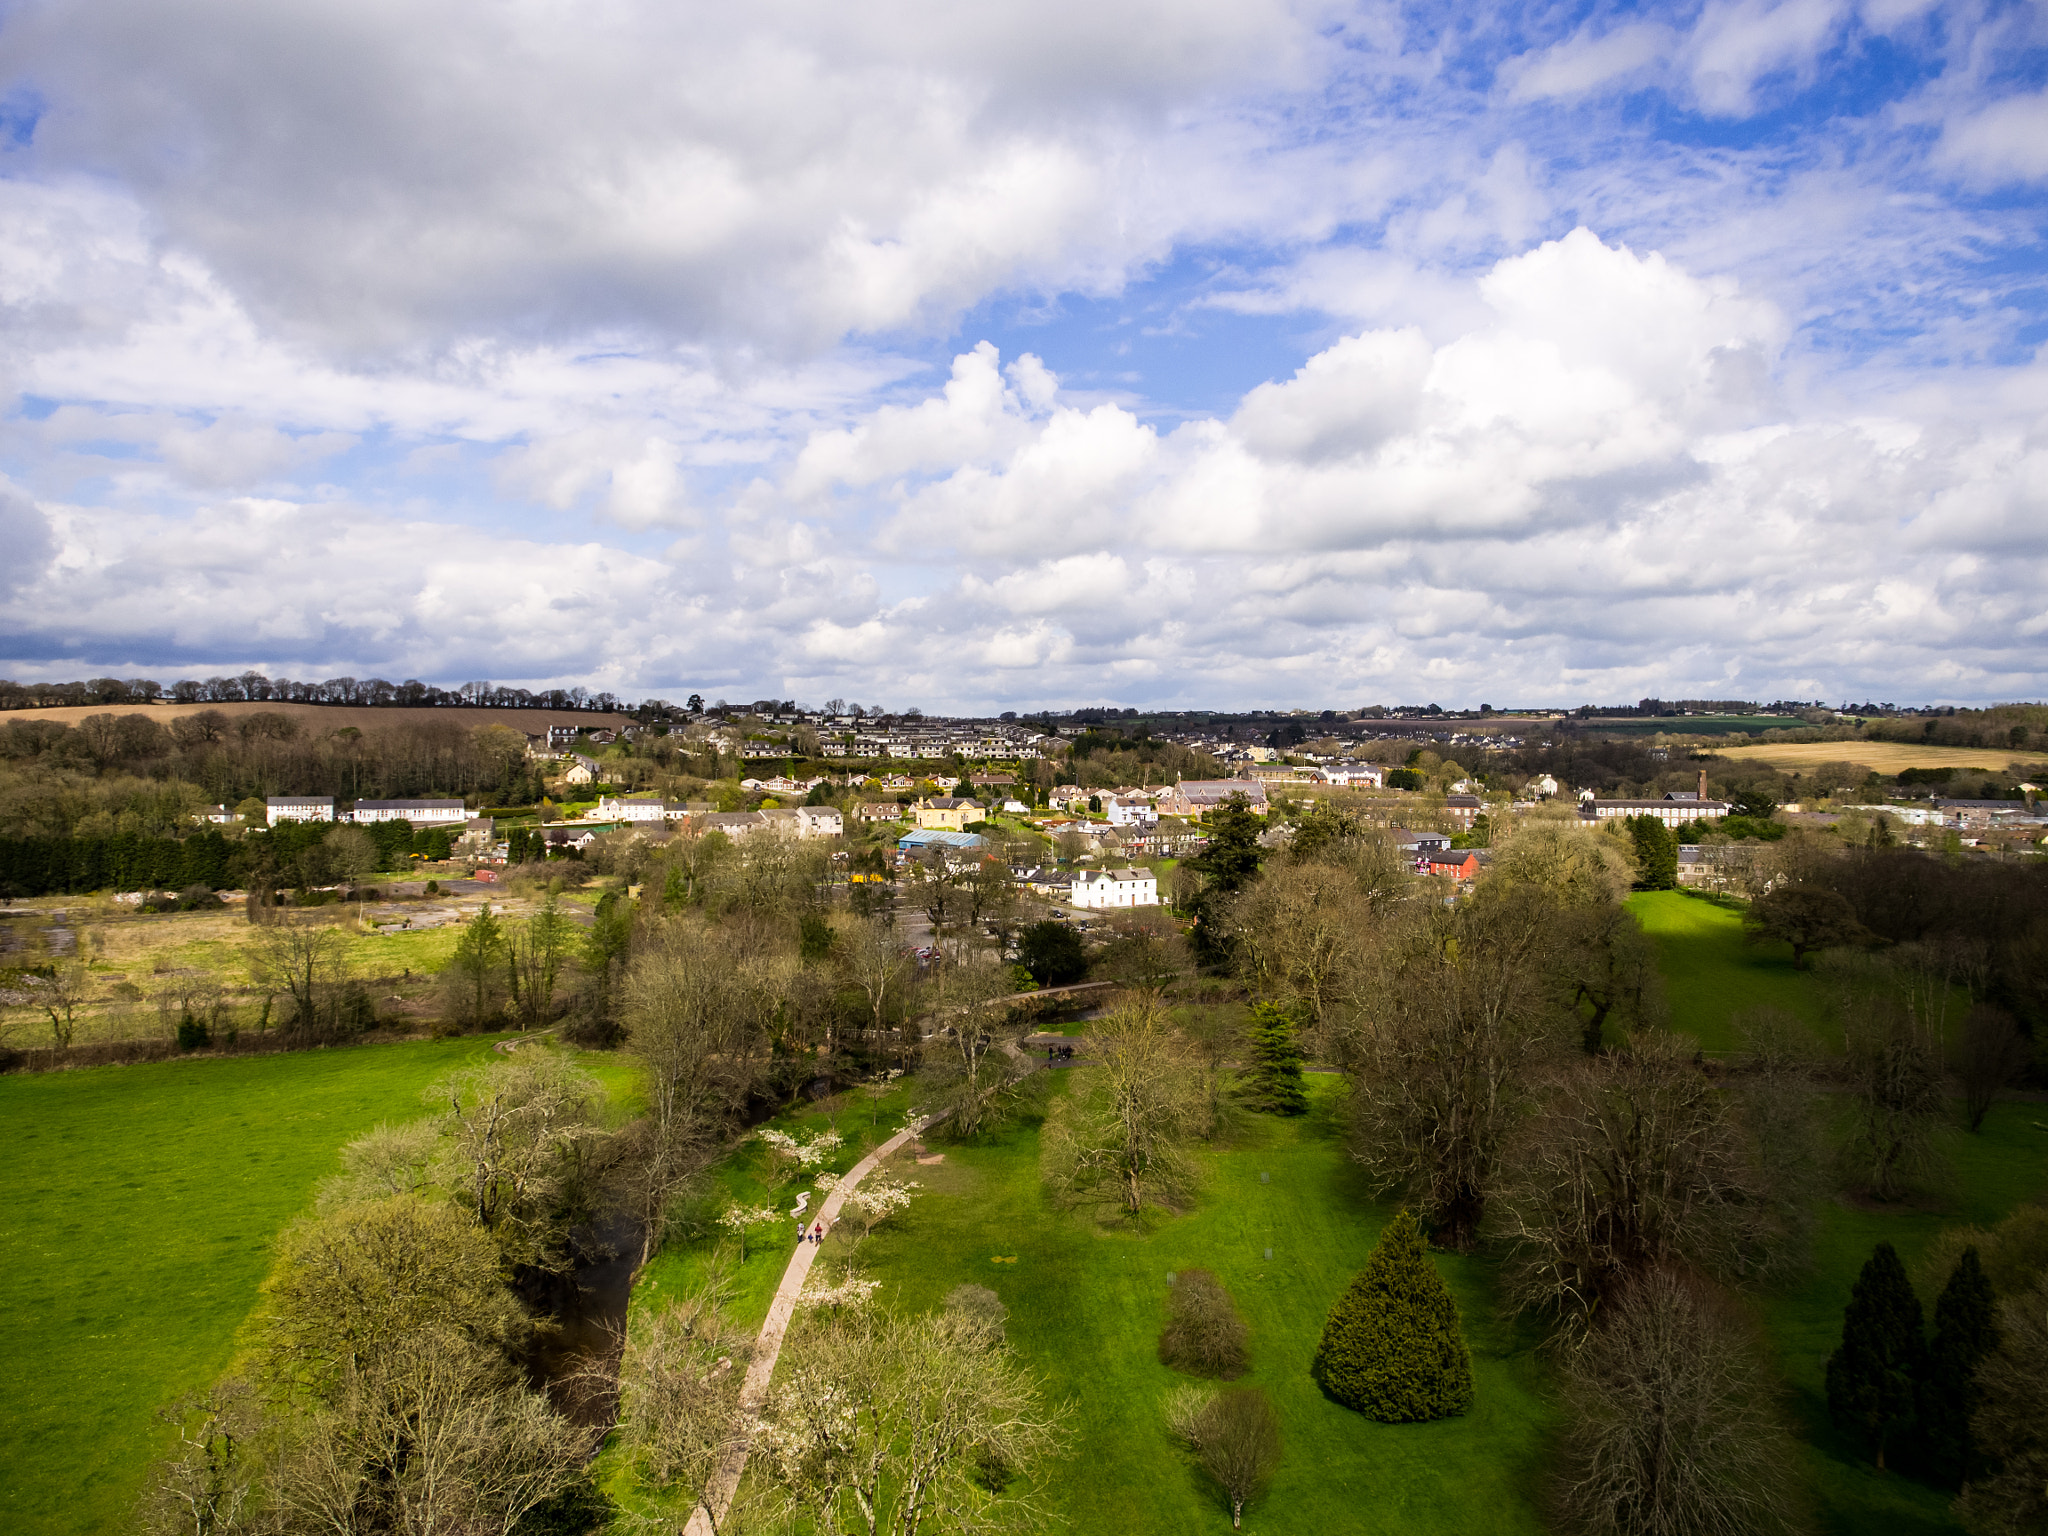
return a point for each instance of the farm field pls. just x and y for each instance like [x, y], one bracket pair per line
[140, 1206]
[1711, 974]
[1691, 725]
[1885, 756]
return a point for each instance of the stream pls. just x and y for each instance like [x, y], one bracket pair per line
[589, 1325]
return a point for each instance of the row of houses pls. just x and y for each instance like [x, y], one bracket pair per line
[420, 813]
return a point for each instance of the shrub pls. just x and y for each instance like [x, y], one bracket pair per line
[1204, 1336]
[1052, 953]
[193, 1035]
[1391, 1348]
[981, 1308]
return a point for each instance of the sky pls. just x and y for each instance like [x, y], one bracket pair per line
[1158, 353]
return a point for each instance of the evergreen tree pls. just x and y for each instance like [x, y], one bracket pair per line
[1656, 854]
[1276, 1060]
[1391, 1348]
[1874, 1376]
[1965, 1331]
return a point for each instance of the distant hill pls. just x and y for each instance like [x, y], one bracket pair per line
[327, 718]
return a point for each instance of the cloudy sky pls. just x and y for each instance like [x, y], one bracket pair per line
[1170, 352]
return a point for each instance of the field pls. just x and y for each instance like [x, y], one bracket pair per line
[1711, 974]
[1691, 725]
[328, 718]
[140, 1205]
[1086, 1305]
[1884, 756]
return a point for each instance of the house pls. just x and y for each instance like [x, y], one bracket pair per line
[562, 839]
[477, 835]
[1043, 879]
[1064, 797]
[421, 813]
[1671, 811]
[1133, 812]
[945, 813]
[1543, 787]
[1464, 810]
[561, 737]
[582, 770]
[1419, 845]
[1197, 797]
[1461, 864]
[1984, 813]
[879, 810]
[218, 815]
[1016, 808]
[992, 780]
[298, 808]
[734, 824]
[638, 809]
[1356, 774]
[819, 821]
[1114, 888]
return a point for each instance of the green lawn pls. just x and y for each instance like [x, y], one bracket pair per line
[1711, 974]
[140, 1204]
[1086, 1306]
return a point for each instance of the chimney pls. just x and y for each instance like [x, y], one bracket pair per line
[1703, 783]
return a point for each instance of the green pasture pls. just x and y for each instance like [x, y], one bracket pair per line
[1711, 974]
[137, 1210]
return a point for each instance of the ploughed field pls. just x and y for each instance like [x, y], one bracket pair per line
[138, 1206]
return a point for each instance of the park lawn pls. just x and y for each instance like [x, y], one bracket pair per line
[1086, 1306]
[2005, 1166]
[1711, 974]
[140, 1204]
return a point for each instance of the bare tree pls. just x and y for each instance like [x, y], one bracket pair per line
[352, 855]
[300, 959]
[60, 997]
[1117, 1138]
[535, 953]
[1895, 1075]
[514, 1132]
[1461, 1008]
[1634, 1161]
[874, 961]
[1992, 1055]
[1671, 1430]
[974, 1076]
[1235, 1435]
[1204, 1335]
[206, 1487]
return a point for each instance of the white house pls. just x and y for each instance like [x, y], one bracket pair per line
[219, 815]
[582, 770]
[819, 821]
[1115, 888]
[1360, 773]
[299, 808]
[1672, 811]
[638, 809]
[1132, 812]
[421, 813]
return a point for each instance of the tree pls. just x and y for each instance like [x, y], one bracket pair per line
[473, 968]
[1656, 854]
[1807, 917]
[679, 1385]
[2011, 1426]
[1392, 1348]
[1231, 858]
[516, 1131]
[1460, 1007]
[1634, 1162]
[534, 955]
[1275, 1076]
[1670, 1428]
[1052, 952]
[1235, 1435]
[1965, 1333]
[1899, 1093]
[874, 961]
[62, 994]
[303, 959]
[352, 855]
[205, 1487]
[1204, 1336]
[1607, 968]
[1992, 1057]
[974, 1076]
[1873, 1376]
[1115, 1140]
[881, 1423]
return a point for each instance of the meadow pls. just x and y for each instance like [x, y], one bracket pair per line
[140, 1204]
[1711, 974]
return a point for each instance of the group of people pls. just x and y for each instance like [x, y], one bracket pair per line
[814, 1233]
[1059, 1053]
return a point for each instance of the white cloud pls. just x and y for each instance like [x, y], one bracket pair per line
[2006, 141]
[1588, 60]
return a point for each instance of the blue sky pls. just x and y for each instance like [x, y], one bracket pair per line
[1189, 354]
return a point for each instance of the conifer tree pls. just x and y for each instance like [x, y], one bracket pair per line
[1276, 1060]
[1874, 1376]
[1965, 1331]
[1391, 1348]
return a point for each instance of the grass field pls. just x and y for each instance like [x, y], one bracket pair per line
[1884, 756]
[140, 1204]
[1691, 725]
[1711, 974]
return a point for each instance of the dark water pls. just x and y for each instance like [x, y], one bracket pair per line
[577, 1358]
